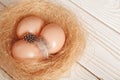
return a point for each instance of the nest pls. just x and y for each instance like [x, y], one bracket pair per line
[55, 65]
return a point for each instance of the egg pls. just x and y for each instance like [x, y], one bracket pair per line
[30, 24]
[26, 52]
[54, 36]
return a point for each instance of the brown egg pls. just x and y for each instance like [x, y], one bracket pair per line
[54, 37]
[31, 24]
[27, 52]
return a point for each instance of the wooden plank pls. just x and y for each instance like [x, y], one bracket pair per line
[99, 61]
[4, 76]
[108, 34]
[104, 60]
[78, 72]
[7, 2]
[1, 5]
[107, 11]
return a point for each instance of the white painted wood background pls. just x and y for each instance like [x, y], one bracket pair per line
[101, 19]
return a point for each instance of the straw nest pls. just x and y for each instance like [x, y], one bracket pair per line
[55, 65]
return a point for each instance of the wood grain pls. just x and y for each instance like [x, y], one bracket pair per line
[103, 38]
[4, 76]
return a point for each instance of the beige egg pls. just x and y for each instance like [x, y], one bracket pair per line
[54, 37]
[27, 52]
[31, 24]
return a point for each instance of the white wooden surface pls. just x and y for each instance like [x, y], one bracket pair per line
[101, 19]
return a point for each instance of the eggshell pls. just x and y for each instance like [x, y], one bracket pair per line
[54, 36]
[24, 51]
[31, 24]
